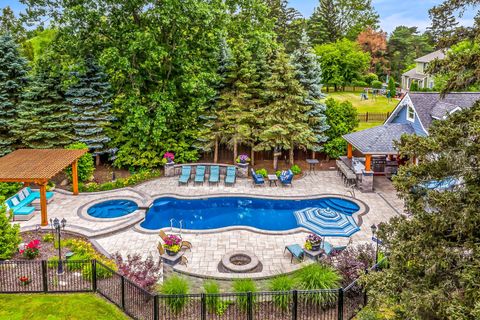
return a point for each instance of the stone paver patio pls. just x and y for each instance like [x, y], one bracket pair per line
[121, 235]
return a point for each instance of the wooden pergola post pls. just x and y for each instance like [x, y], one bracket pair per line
[43, 203]
[75, 177]
[349, 151]
[368, 162]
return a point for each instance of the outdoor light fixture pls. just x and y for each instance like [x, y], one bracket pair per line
[58, 225]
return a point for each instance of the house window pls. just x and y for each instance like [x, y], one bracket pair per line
[410, 114]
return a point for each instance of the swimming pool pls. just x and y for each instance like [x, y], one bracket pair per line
[220, 212]
[112, 208]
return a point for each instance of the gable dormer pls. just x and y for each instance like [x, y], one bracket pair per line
[405, 113]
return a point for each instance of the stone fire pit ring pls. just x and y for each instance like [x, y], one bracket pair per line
[250, 261]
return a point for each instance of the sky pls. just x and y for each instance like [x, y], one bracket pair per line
[392, 12]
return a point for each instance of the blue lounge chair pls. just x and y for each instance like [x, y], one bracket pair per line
[21, 203]
[200, 174]
[231, 175]
[296, 251]
[329, 249]
[214, 175]
[257, 178]
[185, 176]
[286, 178]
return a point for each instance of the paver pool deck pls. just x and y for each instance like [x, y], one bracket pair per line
[121, 234]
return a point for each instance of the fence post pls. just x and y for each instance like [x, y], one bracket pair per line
[94, 275]
[365, 297]
[366, 117]
[294, 304]
[155, 307]
[45, 276]
[122, 290]
[204, 306]
[249, 306]
[340, 304]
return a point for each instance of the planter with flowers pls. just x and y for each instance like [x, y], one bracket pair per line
[172, 244]
[24, 280]
[243, 161]
[168, 162]
[31, 250]
[313, 242]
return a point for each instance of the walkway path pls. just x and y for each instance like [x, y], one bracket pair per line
[120, 235]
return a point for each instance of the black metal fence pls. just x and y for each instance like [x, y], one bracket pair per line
[373, 116]
[92, 276]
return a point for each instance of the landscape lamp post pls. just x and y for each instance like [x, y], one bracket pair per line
[374, 231]
[58, 226]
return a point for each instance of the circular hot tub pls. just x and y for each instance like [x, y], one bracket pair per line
[112, 209]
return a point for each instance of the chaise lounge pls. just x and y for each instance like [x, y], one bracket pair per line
[200, 174]
[296, 251]
[214, 177]
[185, 176]
[231, 175]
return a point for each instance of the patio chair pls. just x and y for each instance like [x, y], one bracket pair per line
[330, 250]
[286, 178]
[296, 251]
[186, 244]
[185, 176]
[162, 235]
[257, 178]
[183, 261]
[161, 250]
[214, 175]
[231, 175]
[200, 174]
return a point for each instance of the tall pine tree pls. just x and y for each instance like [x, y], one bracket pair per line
[309, 74]
[13, 78]
[89, 98]
[43, 119]
[284, 114]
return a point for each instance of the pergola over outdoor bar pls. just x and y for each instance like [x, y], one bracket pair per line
[39, 166]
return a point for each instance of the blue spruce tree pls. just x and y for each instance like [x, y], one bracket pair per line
[13, 78]
[309, 74]
[91, 109]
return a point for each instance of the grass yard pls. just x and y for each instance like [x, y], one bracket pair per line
[380, 104]
[57, 306]
[366, 125]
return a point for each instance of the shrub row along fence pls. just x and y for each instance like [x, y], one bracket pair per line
[22, 276]
[373, 116]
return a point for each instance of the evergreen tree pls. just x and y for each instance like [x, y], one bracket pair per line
[43, 119]
[284, 113]
[392, 88]
[288, 23]
[90, 108]
[13, 75]
[236, 102]
[323, 24]
[309, 74]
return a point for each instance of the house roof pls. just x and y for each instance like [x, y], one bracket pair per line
[379, 140]
[414, 74]
[35, 165]
[430, 105]
[439, 54]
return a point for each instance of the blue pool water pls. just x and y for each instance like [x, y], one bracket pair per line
[265, 214]
[112, 208]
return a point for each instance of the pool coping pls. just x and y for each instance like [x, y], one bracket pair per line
[363, 210]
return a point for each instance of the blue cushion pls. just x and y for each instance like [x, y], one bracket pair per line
[24, 211]
[295, 250]
[327, 247]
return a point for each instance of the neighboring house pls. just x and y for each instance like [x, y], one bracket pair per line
[414, 114]
[419, 74]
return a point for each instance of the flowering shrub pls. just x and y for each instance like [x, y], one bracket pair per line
[314, 239]
[169, 156]
[24, 280]
[243, 158]
[172, 243]
[145, 273]
[31, 250]
[120, 183]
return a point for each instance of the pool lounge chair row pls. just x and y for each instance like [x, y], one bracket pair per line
[22, 205]
[213, 178]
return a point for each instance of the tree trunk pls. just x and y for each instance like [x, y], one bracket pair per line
[235, 149]
[215, 151]
[252, 156]
[291, 155]
[335, 87]
[275, 161]
[313, 154]
[97, 160]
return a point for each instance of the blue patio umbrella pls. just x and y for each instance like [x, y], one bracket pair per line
[327, 222]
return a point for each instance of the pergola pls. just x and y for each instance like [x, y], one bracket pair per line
[39, 166]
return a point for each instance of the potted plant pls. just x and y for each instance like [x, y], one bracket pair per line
[313, 242]
[243, 159]
[168, 157]
[24, 280]
[31, 250]
[172, 244]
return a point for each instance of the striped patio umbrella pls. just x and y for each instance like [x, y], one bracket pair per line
[327, 222]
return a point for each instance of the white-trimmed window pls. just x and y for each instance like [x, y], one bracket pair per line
[410, 114]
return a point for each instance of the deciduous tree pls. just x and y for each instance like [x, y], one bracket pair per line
[375, 43]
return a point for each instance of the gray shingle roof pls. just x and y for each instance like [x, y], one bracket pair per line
[439, 54]
[414, 74]
[431, 104]
[379, 140]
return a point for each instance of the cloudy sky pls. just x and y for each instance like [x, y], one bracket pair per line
[392, 12]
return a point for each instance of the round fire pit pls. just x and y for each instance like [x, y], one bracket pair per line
[240, 261]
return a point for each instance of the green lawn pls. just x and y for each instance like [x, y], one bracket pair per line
[57, 306]
[366, 125]
[380, 104]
